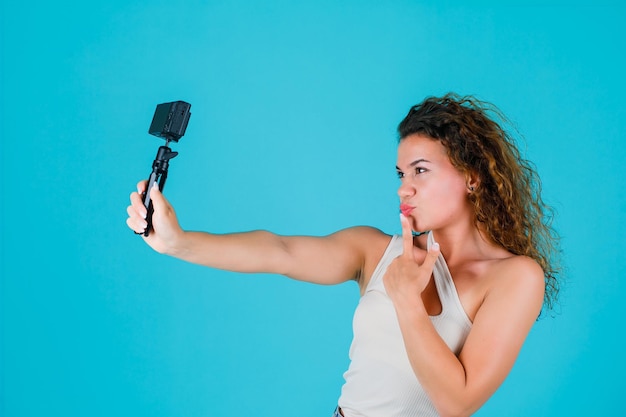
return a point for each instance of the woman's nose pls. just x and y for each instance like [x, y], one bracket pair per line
[406, 190]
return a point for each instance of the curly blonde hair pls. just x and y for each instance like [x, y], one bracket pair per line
[507, 202]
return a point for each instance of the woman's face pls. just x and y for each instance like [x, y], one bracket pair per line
[433, 193]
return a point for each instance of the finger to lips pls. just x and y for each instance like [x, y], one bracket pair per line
[407, 235]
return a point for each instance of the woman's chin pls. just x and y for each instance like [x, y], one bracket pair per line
[417, 227]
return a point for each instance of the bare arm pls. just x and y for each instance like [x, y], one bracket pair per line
[458, 386]
[331, 259]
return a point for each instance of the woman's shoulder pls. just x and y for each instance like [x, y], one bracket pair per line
[366, 231]
[363, 235]
[365, 240]
[518, 266]
[517, 275]
[371, 243]
[368, 240]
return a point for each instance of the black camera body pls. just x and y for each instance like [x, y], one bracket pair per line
[170, 120]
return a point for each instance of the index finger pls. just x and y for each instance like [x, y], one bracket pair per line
[407, 236]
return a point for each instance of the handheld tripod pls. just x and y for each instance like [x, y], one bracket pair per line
[158, 175]
[169, 122]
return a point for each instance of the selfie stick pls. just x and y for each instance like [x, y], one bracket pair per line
[169, 122]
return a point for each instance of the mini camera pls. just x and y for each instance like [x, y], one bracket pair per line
[169, 122]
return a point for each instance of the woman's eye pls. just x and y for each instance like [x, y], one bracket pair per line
[400, 174]
[419, 170]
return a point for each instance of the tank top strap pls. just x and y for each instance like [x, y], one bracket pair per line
[450, 302]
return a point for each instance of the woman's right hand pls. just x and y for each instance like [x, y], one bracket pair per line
[166, 232]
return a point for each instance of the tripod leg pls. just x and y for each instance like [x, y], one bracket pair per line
[147, 201]
[159, 173]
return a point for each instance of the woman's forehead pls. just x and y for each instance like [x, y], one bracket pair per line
[418, 146]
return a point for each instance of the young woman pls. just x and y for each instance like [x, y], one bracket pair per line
[446, 306]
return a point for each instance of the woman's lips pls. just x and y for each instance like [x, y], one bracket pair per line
[406, 209]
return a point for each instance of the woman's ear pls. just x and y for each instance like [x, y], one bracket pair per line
[472, 180]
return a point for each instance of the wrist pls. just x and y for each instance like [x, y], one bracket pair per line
[411, 308]
[177, 244]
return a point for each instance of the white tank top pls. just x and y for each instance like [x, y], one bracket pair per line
[380, 381]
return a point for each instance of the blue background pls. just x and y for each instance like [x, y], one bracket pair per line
[294, 108]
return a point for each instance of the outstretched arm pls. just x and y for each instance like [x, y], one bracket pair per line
[331, 259]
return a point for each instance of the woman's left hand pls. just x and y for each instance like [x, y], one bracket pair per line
[406, 278]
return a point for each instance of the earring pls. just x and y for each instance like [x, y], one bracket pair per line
[471, 188]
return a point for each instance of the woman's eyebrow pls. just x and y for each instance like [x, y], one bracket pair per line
[416, 162]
